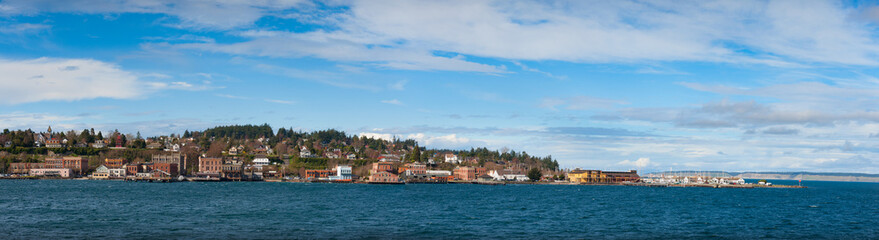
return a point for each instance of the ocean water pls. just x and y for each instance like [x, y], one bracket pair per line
[70, 209]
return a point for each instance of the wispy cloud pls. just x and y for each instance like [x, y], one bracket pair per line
[45, 79]
[579, 103]
[231, 96]
[279, 101]
[393, 102]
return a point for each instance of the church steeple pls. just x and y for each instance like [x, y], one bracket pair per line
[50, 129]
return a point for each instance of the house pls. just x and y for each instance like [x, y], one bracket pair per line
[175, 147]
[451, 158]
[53, 143]
[98, 144]
[384, 177]
[233, 151]
[343, 173]
[351, 156]
[80, 145]
[305, 153]
[332, 155]
[261, 160]
[154, 145]
[7, 144]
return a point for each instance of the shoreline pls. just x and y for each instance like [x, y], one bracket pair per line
[745, 186]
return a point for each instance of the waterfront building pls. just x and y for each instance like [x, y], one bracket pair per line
[77, 165]
[138, 169]
[342, 173]
[232, 170]
[382, 167]
[415, 169]
[168, 169]
[178, 159]
[209, 166]
[50, 172]
[384, 177]
[315, 174]
[465, 173]
[598, 176]
[105, 172]
[23, 168]
[508, 175]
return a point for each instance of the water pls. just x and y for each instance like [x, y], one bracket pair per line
[68, 209]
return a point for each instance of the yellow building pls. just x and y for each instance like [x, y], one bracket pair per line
[598, 176]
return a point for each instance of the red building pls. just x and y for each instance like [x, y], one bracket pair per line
[316, 174]
[465, 173]
[114, 162]
[382, 167]
[384, 177]
[77, 165]
[169, 168]
[23, 168]
[209, 166]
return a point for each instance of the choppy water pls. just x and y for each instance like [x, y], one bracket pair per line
[57, 209]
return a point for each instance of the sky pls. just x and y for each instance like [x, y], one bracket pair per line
[613, 85]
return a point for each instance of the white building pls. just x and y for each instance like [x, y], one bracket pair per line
[261, 161]
[343, 173]
[507, 176]
[304, 153]
[438, 173]
[452, 158]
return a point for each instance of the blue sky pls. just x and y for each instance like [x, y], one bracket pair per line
[706, 85]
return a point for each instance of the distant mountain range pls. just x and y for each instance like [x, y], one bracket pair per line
[810, 176]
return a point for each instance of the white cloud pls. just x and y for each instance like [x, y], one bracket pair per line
[393, 102]
[279, 101]
[45, 79]
[640, 163]
[230, 96]
[437, 35]
[451, 141]
[37, 121]
[385, 136]
[579, 103]
[22, 28]
[212, 14]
